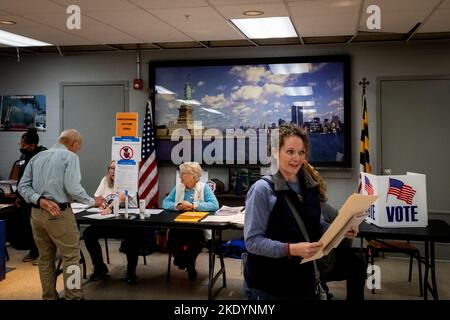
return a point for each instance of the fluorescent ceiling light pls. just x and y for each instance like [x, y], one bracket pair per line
[14, 40]
[309, 103]
[298, 91]
[265, 28]
[290, 68]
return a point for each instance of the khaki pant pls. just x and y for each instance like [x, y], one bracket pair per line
[52, 233]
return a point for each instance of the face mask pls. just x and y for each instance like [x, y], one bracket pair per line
[24, 151]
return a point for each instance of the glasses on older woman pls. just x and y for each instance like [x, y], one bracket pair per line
[112, 168]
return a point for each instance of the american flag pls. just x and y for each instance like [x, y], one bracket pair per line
[368, 186]
[401, 190]
[364, 159]
[148, 171]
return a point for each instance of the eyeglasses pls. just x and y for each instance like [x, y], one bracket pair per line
[112, 168]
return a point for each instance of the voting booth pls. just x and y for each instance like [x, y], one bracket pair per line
[402, 201]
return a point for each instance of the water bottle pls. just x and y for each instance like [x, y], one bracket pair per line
[126, 204]
[142, 209]
[116, 206]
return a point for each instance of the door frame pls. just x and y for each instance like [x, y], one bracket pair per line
[124, 83]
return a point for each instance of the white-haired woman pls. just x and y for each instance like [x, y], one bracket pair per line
[190, 194]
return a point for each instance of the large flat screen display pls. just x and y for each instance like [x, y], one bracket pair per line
[224, 112]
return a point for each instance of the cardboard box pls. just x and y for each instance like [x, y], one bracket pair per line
[402, 202]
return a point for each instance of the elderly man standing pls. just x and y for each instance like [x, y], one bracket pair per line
[51, 181]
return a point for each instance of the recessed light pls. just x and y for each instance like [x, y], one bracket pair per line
[7, 22]
[253, 13]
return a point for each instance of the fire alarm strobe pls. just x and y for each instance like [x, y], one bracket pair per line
[138, 84]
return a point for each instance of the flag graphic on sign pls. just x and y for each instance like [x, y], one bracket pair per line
[148, 171]
[401, 190]
[368, 186]
[364, 159]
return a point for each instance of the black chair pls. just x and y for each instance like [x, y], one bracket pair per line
[376, 246]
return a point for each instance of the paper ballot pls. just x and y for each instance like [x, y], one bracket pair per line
[352, 213]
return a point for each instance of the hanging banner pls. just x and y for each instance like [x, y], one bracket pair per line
[126, 148]
[126, 124]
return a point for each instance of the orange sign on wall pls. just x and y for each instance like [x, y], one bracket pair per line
[126, 124]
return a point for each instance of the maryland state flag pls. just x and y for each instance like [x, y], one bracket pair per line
[364, 159]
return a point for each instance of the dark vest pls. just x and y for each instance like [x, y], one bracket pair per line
[286, 277]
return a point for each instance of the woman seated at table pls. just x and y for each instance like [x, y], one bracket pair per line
[191, 194]
[134, 239]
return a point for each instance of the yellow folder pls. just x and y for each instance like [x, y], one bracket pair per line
[191, 216]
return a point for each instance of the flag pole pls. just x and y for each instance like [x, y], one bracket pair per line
[364, 160]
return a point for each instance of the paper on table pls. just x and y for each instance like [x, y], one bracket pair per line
[225, 211]
[77, 205]
[214, 218]
[237, 219]
[99, 216]
[132, 210]
[153, 211]
[351, 214]
[94, 210]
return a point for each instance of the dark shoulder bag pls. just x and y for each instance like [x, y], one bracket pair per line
[320, 293]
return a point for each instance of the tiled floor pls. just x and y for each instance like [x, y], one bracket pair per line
[22, 281]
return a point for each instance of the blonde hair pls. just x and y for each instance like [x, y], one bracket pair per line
[108, 176]
[192, 168]
[318, 178]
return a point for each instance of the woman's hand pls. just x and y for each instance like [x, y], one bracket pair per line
[304, 249]
[106, 211]
[185, 206]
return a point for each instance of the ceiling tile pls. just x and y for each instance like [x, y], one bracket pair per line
[30, 6]
[445, 5]
[269, 9]
[438, 22]
[98, 5]
[144, 26]
[325, 17]
[240, 2]
[90, 29]
[165, 4]
[54, 37]
[201, 24]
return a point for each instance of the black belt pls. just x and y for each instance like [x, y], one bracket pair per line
[62, 206]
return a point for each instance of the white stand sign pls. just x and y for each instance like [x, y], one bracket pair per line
[402, 201]
[126, 148]
[127, 175]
